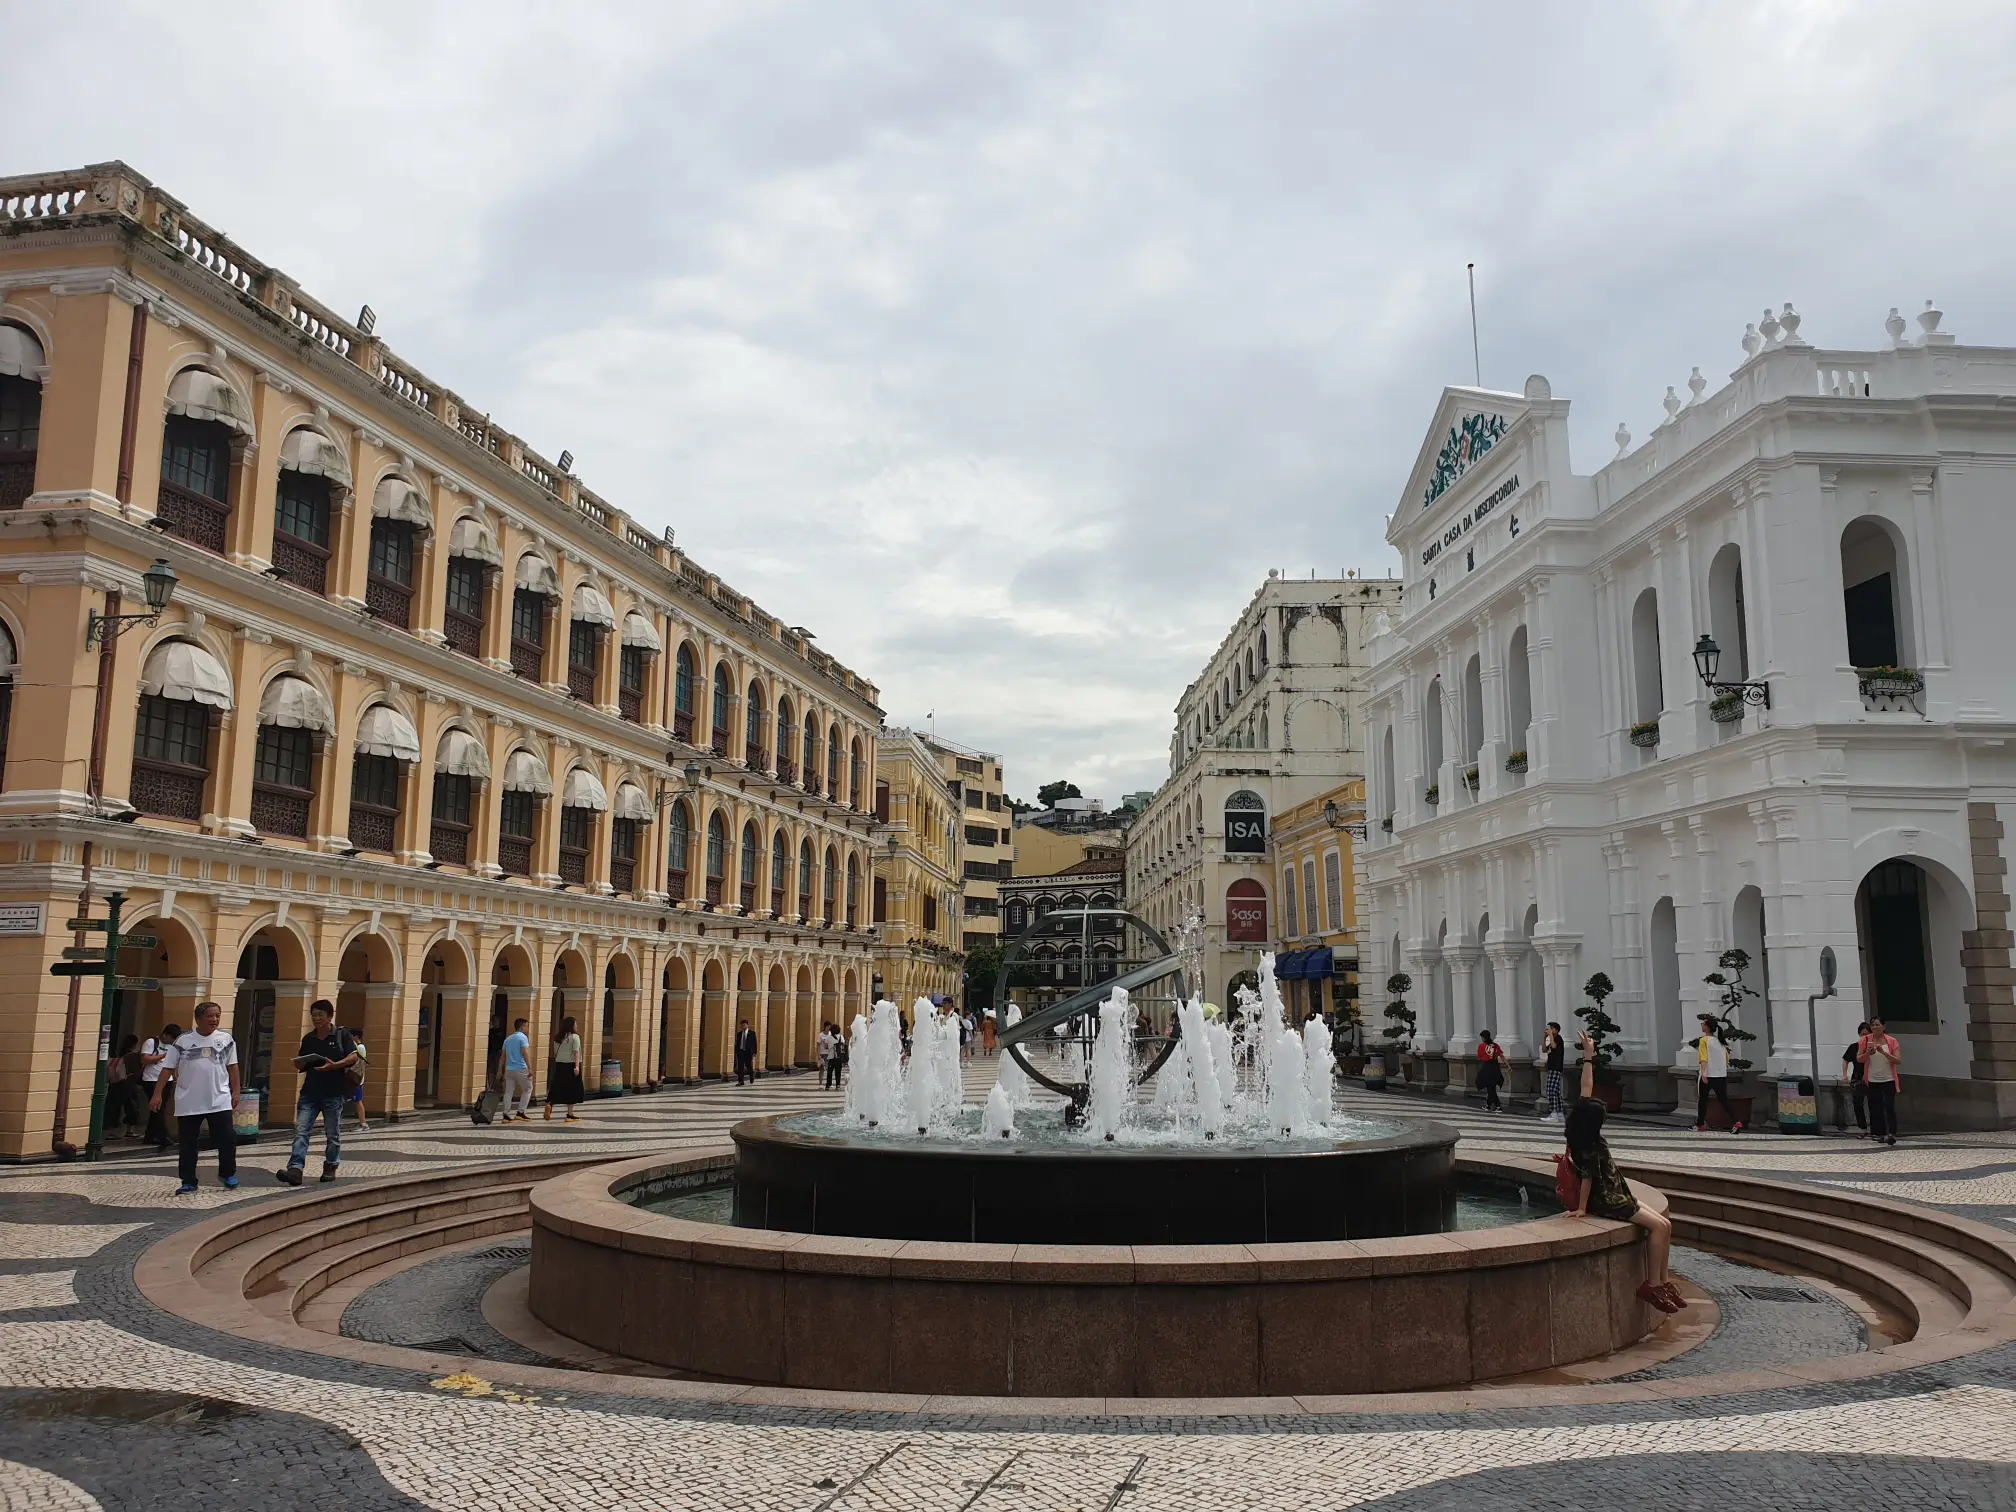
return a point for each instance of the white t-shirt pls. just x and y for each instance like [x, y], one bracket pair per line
[1717, 1063]
[202, 1080]
[150, 1071]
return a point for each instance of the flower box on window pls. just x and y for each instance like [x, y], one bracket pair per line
[1726, 708]
[1645, 735]
[1471, 778]
[1386, 824]
[1890, 682]
[1515, 761]
[1434, 794]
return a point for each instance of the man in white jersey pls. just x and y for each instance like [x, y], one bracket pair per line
[201, 1068]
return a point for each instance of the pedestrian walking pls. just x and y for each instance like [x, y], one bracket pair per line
[514, 1069]
[1555, 1049]
[152, 1053]
[1883, 1072]
[829, 1057]
[356, 1078]
[1858, 1089]
[1490, 1070]
[200, 1072]
[1605, 1194]
[122, 1090]
[327, 1053]
[563, 1075]
[745, 1054]
[1712, 1058]
[965, 1037]
[989, 1032]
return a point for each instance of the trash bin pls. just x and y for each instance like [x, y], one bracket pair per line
[612, 1078]
[1798, 1108]
[1375, 1072]
[245, 1118]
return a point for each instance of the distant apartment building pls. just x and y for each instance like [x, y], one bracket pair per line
[986, 824]
[918, 865]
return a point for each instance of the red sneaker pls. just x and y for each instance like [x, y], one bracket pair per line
[1736, 1128]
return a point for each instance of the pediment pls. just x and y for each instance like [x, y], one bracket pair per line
[1469, 424]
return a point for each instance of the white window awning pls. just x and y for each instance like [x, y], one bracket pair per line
[184, 670]
[384, 731]
[462, 755]
[294, 703]
[202, 395]
[397, 499]
[536, 575]
[309, 451]
[20, 354]
[638, 631]
[590, 607]
[632, 804]
[524, 772]
[583, 791]
[473, 539]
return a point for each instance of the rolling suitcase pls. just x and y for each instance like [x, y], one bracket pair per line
[486, 1106]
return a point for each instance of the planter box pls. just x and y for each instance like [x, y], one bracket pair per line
[1726, 711]
[1645, 739]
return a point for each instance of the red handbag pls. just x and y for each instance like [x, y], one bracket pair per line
[1567, 1182]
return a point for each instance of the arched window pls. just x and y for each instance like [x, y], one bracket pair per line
[204, 413]
[1876, 596]
[879, 901]
[21, 364]
[1245, 822]
[717, 857]
[832, 889]
[682, 695]
[536, 586]
[805, 882]
[1473, 710]
[386, 744]
[1893, 922]
[399, 514]
[311, 467]
[755, 721]
[1726, 617]
[179, 686]
[1387, 778]
[780, 872]
[1263, 650]
[581, 800]
[1333, 890]
[853, 890]
[1246, 912]
[833, 762]
[591, 616]
[1431, 733]
[526, 782]
[678, 848]
[1518, 692]
[787, 737]
[1648, 681]
[724, 700]
[752, 850]
[472, 555]
[854, 775]
[811, 753]
[1291, 924]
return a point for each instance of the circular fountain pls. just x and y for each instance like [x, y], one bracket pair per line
[1228, 1232]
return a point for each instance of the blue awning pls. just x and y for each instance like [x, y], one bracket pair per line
[1288, 966]
[1318, 964]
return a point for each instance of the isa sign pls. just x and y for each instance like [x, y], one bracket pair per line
[1245, 831]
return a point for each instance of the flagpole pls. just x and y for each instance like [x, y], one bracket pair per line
[1476, 361]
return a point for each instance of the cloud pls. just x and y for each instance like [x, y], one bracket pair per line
[1008, 351]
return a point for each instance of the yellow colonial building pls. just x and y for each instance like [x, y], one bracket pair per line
[986, 825]
[1316, 943]
[428, 728]
[917, 872]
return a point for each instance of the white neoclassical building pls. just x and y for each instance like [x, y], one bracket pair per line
[1555, 791]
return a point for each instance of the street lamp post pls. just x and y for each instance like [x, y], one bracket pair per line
[101, 631]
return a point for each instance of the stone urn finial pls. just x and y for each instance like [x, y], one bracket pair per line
[1789, 319]
[1623, 438]
[1671, 404]
[1769, 326]
[1697, 386]
[1752, 342]
[1929, 318]
[1895, 326]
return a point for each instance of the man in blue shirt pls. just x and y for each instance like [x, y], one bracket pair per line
[328, 1051]
[514, 1066]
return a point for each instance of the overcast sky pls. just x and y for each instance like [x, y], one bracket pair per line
[1007, 348]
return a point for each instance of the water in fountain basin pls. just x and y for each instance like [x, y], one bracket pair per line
[1011, 1079]
[932, 1092]
[997, 1119]
[1285, 1109]
[1112, 1081]
[1200, 1048]
[875, 1067]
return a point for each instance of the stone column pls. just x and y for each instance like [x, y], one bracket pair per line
[1463, 960]
[1990, 983]
[1423, 956]
[1504, 949]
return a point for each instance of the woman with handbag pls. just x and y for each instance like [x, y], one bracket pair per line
[355, 1073]
[563, 1073]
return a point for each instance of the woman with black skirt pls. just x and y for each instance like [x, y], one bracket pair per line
[563, 1077]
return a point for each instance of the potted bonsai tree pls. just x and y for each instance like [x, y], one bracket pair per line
[1347, 1030]
[1601, 1029]
[1399, 1029]
[1730, 991]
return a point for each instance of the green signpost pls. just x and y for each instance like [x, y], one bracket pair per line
[102, 961]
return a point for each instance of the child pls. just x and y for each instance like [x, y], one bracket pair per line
[1605, 1194]
[1490, 1070]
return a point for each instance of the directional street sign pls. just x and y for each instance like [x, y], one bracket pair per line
[90, 925]
[78, 968]
[138, 942]
[137, 984]
[84, 952]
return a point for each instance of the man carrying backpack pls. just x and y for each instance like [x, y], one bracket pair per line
[328, 1051]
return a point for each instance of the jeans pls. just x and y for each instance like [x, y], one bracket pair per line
[1882, 1110]
[517, 1092]
[330, 1110]
[222, 1135]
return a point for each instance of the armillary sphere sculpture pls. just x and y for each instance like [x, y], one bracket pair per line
[1114, 948]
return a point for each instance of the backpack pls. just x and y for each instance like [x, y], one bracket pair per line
[354, 1073]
